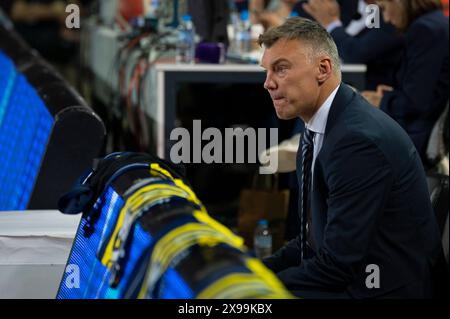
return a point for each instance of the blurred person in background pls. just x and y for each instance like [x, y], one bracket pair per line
[380, 48]
[445, 4]
[421, 89]
[274, 14]
[41, 23]
[210, 18]
[349, 10]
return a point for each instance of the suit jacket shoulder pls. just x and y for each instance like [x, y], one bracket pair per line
[352, 117]
[434, 21]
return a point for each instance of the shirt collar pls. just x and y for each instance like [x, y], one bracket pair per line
[318, 122]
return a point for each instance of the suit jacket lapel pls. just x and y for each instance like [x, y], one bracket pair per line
[343, 96]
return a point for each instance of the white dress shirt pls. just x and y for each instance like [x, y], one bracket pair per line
[318, 124]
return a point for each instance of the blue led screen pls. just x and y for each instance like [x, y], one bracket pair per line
[7, 78]
[94, 277]
[25, 127]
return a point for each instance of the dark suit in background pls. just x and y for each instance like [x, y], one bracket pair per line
[379, 48]
[369, 205]
[349, 10]
[210, 18]
[422, 84]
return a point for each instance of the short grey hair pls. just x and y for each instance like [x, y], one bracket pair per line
[297, 28]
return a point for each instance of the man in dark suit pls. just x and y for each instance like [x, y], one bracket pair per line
[368, 228]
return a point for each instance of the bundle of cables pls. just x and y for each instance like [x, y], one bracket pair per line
[145, 234]
[139, 51]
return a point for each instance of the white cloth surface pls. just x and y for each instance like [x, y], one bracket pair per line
[38, 223]
[34, 248]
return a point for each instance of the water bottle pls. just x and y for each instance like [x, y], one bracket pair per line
[262, 242]
[233, 30]
[151, 9]
[293, 14]
[244, 34]
[186, 41]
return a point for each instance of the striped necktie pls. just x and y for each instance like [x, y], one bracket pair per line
[307, 157]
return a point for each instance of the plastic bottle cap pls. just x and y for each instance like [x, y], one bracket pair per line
[186, 18]
[263, 222]
[244, 15]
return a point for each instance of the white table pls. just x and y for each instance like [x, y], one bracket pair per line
[167, 76]
[34, 248]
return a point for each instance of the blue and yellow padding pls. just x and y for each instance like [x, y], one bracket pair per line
[161, 243]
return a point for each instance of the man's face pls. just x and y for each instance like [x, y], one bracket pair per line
[292, 79]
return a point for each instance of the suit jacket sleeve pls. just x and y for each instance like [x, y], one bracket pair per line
[423, 62]
[359, 180]
[365, 47]
[287, 256]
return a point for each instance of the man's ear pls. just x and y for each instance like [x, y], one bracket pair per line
[325, 69]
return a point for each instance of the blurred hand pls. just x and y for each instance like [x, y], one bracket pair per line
[58, 11]
[323, 11]
[372, 97]
[270, 19]
[375, 97]
[32, 12]
[70, 35]
[382, 88]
